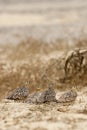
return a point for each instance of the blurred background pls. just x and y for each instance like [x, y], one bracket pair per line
[37, 38]
[42, 19]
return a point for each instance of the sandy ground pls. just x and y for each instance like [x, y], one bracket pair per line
[44, 117]
[37, 37]
[16, 70]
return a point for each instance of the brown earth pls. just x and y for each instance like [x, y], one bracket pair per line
[40, 65]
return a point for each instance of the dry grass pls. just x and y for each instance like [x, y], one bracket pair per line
[40, 65]
[32, 61]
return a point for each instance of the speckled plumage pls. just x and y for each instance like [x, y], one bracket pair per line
[47, 95]
[18, 94]
[68, 96]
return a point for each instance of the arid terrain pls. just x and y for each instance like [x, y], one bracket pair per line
[36, 39]
[41, 64]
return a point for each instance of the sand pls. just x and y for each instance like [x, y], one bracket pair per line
[16, 70]
[35, 37]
